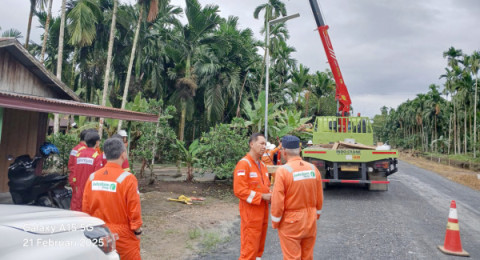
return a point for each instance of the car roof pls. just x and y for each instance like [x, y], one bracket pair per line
[44, 220]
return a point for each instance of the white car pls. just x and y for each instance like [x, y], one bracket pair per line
[30, 232]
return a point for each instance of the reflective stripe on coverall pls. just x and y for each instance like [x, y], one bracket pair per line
[111, 194]
[297, 201]
[72, 159]
[249, 183]
[88, 161]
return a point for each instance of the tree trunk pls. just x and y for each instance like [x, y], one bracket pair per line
[130, 64]
[449, 133]
[465, 126]
[181, 127]
[29, 28]
[475, 121]
[109, 64]
[454, 128]
[56, 120]
[45, 34]
[241, 93]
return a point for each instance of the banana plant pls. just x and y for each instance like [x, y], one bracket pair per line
[188, 156]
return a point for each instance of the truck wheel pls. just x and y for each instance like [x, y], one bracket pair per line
[377, 176]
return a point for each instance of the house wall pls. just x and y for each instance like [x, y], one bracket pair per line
[16, 78]
[22, 133]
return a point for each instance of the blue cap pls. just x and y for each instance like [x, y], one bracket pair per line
[290, 142]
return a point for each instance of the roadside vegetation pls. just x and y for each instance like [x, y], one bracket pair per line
[442, 123]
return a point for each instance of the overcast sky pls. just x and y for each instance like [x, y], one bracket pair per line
[388, 50]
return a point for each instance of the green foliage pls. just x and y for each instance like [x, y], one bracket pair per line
[154, 139]
[64, 143]
[221, 148]
[187, 156]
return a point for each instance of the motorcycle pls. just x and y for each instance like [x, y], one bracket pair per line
[29, 189]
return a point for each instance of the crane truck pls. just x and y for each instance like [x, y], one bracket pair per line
[343, 148]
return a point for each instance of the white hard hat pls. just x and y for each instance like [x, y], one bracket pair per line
[309, 142]
[122, 133]
[268, 145]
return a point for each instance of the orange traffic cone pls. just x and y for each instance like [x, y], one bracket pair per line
[452, 244]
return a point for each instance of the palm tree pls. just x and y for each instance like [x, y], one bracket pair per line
[190, 45]
[109, 62]
[273, 9]
[474, 67]
[152, 6]
[45, 34]
[56, 119]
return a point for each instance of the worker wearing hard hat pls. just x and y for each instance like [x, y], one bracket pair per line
[309, 143]
[297, 201]
[270, 151]
[251, 186]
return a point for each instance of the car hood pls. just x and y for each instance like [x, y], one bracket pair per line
[43, 220]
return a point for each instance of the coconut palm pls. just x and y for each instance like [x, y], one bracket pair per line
[190, 44]
[272, 10]
[144, 5]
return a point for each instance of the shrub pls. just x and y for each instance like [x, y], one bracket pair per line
[221, 148]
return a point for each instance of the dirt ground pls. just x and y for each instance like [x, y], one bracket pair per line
[462, 176]
[174, 230]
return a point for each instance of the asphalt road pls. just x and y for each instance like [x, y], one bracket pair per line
[406, 222]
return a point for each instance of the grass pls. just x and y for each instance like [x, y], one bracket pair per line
[208, 239]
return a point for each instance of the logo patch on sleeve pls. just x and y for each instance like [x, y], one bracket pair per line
[104, 185]
[240, 172]
[303, 175]
[73, 153]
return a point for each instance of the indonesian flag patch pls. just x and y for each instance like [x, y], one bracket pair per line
[240, 172]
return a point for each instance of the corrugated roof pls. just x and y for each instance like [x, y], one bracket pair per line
[69, 107]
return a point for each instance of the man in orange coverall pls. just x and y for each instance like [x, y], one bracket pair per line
[251, 186]
[111, 194]
[297, 201]
[88, 161]
[267, 157]
[73, 153]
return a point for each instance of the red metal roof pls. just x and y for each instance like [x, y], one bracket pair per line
[69, 107]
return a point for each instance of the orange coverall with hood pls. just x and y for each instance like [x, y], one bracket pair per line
[297, 201]
[111, 194]
[88, 161]
[250, 181]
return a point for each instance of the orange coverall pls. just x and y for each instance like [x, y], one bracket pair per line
[297, 201]
[111, 194]
[250, 181]
[88, 161]
[72, 159]
[267, 157]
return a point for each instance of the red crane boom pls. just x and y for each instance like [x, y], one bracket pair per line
[341, 93]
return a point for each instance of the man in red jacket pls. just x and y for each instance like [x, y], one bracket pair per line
[252, 186]
[73, 153]
[88, 161]
[111, 194]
